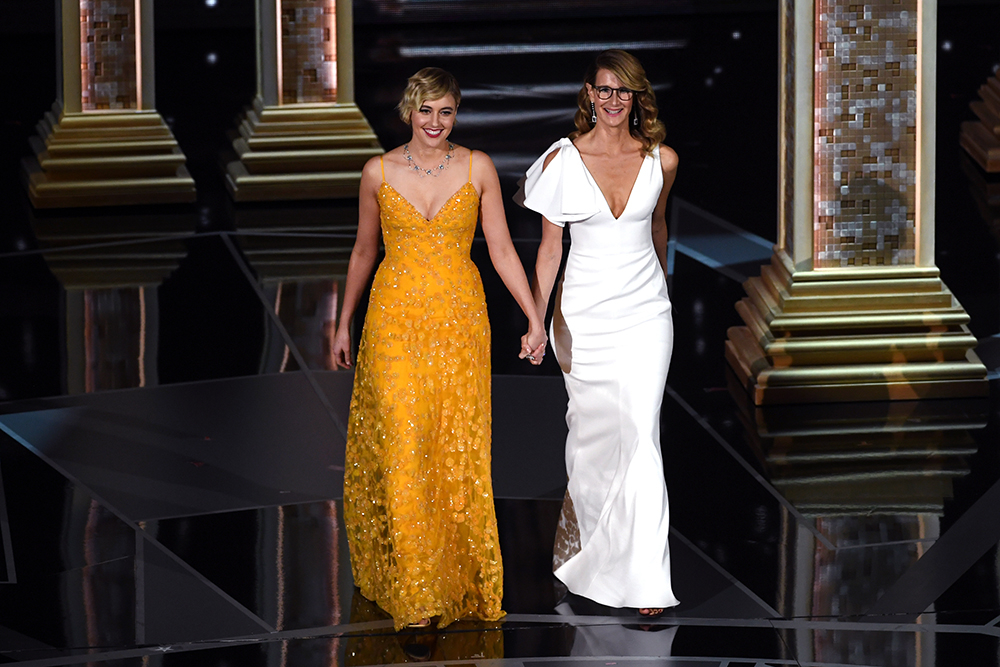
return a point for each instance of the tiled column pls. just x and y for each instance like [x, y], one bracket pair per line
[104, 143]
[852, 306]
[303, 137]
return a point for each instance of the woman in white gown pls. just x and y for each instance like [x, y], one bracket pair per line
[612, 333]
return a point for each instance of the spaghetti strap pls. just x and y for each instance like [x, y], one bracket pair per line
[470, 165]
[382, 162]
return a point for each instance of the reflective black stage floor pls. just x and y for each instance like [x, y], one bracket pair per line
[171, 453]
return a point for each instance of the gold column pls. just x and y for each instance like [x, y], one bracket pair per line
[303, 137]
[852, 306]
[103, 143]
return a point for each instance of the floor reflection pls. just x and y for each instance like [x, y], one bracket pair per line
[875, 479]
[299, 255]
[109, 268]
[140, 312]
[464, 640]
[288, 565]
[619, 639]
[889, 458]
[75, 565]
[913, 649]
[301, 278]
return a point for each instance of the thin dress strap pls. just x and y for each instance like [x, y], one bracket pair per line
[382, 162]
[470, 165]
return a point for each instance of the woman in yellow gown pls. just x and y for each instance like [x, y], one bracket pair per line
[418, 496]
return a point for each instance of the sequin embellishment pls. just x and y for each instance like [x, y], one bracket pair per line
[418, 495]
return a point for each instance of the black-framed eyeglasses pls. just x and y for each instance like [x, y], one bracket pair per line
[605, 92]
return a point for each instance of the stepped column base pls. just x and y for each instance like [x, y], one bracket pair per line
[831, 336]
[300, 151]
[105, 159]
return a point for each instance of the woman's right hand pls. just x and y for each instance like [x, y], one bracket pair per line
[342, 348]
[533, 345]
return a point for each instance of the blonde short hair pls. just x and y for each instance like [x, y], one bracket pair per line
[427, 85]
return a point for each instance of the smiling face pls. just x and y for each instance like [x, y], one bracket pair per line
[612, 111]
[433, 120]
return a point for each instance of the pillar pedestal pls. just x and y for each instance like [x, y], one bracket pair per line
[302, 151]
[105, 159]
[812, 337]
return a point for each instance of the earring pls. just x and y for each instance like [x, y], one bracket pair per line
[635, 119]
[593, 114]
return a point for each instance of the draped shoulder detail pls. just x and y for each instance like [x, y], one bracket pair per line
[561, 192]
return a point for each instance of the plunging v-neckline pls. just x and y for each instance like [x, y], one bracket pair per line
[628, 200]
[440, 210]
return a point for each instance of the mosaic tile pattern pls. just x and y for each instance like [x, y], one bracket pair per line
[308, 51]
[865, 133]
[108, 55]
[788, 129]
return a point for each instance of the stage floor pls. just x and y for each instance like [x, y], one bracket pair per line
[200, 523]
[172, 436]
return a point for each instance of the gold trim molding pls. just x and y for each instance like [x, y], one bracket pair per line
[851, 338]
[105, 159]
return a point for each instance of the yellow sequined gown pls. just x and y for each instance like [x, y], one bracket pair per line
[418, 496]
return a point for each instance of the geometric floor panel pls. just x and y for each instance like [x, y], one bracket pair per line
[85, 483]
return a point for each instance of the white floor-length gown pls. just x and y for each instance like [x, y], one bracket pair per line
[612, 334]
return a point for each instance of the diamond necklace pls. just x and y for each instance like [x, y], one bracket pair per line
[429, 172]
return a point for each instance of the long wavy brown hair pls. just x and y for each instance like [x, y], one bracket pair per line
[650, 129]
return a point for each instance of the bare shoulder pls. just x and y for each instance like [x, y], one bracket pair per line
[481, 158]
[482, 165]
[668, 158]
[371, 173]
[550, 157]
[373, 167]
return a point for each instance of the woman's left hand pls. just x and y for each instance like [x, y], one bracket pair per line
[533, 345]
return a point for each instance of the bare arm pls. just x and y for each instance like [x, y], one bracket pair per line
[548, 259]
[359, 269]
[546, 265]
[668, 161]
[502, 252]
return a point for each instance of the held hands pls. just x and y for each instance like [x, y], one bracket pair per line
[533, 345]
[342, 349]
